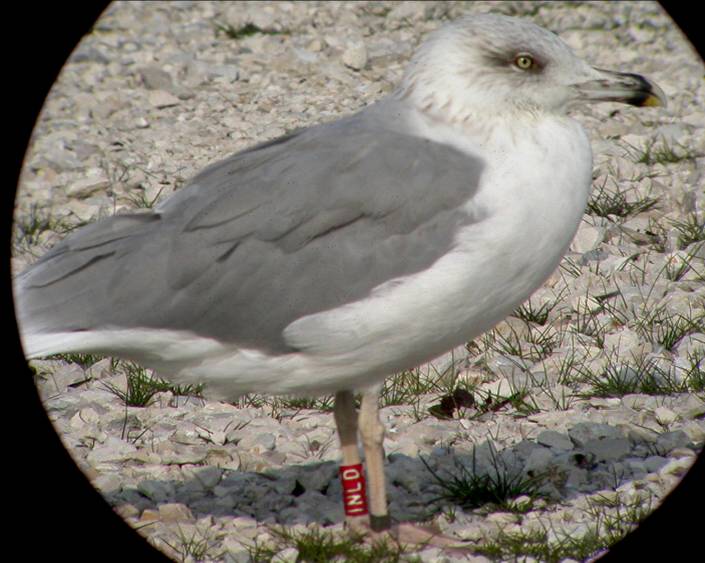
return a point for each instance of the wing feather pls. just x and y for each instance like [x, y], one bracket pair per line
[295, 226]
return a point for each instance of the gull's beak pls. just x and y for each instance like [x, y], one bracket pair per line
[623, 87]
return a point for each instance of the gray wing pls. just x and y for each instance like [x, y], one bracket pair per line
[296, 226]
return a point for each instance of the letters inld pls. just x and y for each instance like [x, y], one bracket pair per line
[354, 496]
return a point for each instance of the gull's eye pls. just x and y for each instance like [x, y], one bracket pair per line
[524, 62]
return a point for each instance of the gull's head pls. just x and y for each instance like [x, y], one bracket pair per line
[497, 65]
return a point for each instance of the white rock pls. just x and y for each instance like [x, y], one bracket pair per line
[175, 512]
[585, 304]
[287, 555]
[677, 467]
[587, 238]
[408, 11]
[107, 482]
[155, 78]
[355, 55]
[162, 99]
[664, 416]
[86, 187]
[112, 450]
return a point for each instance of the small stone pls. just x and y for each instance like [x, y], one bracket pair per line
[318, 478]
[695, 430]
[86, 187]
[585, 304]
[554, 439]
[682, 452]
[664, 416]
[587, 238]
[315, 46]
[404, 472]
[161, 99]
[355, 55]
[577, 478]
[258, 443]
[503, 518]
[149, 515]
[155, 78]
[671, 440]
[583, 432]
[107, 482]
[608, 449]
[112, 450]
[408, 11]
[654, 463]
[127, 510]
[538, 460]
[677, 467]
[84, 54]
[176, 454]
[175, 512]
[288, 555]
[209, 477]
[158, 491]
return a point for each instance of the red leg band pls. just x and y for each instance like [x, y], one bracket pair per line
[354, 494]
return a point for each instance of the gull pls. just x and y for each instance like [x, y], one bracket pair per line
[330, 258]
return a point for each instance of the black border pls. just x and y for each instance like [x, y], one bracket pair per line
[47, 491]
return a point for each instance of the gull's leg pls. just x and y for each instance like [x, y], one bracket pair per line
[351, 472]
[372, 433]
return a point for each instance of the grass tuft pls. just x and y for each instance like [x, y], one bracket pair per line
[194, 546]
[690, 230]
[608, 524]
[316, 545]
[469, 489]
[534, 346]
[609, 203]
[245, 31]
[30, 226]
[142, 386]
[661, 153]
[638, 375]
[667, 330]
[83, 360]
[538, 315]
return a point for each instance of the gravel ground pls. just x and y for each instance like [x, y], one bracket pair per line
[598, 389]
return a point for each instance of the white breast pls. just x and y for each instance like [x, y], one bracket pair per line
[534, 189]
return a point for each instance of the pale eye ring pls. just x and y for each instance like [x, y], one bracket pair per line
[524, 61]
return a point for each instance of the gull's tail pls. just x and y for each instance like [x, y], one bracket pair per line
[62, 299]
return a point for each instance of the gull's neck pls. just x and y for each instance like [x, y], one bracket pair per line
[439, 116]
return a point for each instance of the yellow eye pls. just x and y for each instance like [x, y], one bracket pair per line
[524, 62]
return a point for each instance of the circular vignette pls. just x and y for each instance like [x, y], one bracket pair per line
[53, 507]
[49, 491]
